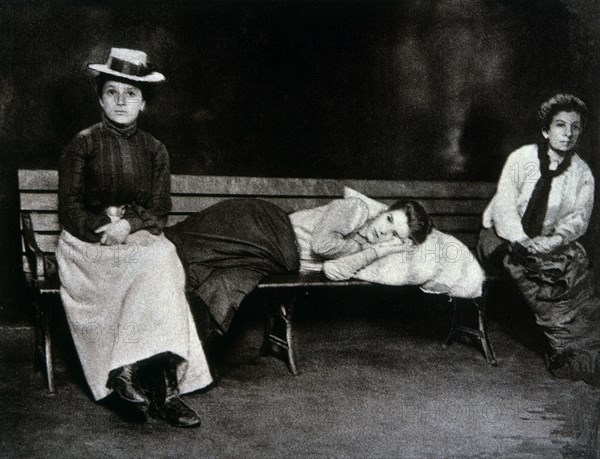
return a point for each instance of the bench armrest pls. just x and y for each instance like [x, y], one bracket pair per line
[34, 255]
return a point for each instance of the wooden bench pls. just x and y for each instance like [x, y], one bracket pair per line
[455, 206]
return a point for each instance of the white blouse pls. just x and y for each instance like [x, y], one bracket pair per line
[570, 202]
[322, 232]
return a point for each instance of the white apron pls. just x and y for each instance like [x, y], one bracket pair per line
[126, 303]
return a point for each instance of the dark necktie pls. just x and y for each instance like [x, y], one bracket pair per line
[533, 218]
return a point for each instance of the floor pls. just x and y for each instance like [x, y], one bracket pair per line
[374, 382]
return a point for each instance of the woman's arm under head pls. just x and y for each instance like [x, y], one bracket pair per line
[342, 217]
[346, 267]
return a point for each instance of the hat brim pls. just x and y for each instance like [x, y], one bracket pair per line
[152, 77]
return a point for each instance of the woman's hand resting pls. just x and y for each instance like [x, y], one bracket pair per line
[542, 244]
[115, 232]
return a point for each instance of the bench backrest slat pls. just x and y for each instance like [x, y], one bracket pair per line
[455, 206]
[209, 185]
[48, 222]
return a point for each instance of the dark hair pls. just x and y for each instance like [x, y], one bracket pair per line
[419, 223]
[146, 88]
[562, 103]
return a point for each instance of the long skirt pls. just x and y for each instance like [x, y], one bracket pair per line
[228, 248]
[559, 288]
[126, 303]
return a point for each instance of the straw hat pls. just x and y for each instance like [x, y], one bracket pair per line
[129, 64]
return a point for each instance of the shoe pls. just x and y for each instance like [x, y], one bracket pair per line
[131, 412]
[176, 413]
[121, 380]
[164, 394]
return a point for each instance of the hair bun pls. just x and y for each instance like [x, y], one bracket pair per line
[559, 102]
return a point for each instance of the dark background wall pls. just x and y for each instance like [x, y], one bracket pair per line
[417, 89]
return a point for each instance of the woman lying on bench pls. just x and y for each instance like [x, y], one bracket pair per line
[229, 247]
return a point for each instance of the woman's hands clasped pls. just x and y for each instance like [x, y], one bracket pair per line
[115, 232]
[542, 244]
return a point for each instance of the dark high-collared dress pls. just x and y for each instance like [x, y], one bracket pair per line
[126, 302]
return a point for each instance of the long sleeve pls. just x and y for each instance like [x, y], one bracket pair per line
[107, 165]
[73, 215]
[504, 211]
[570, 201]
[574, 224]
[153, 217]
[343, 217]
[346, 267]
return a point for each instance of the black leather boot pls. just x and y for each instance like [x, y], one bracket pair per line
[123, 381]
[165, 403]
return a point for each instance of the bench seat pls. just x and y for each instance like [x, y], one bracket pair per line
[455, 206]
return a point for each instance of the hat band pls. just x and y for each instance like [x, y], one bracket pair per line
[123, 66]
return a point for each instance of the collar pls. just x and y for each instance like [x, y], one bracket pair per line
[555, 157]
[545, 157]
[121, 130]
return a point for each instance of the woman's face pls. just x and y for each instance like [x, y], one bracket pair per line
[121, 102]
[386, 226]
[564, 130]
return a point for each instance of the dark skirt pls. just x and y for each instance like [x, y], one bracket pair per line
[228, 248]
[559, 288]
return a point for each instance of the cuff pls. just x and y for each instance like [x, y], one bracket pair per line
[135, 223]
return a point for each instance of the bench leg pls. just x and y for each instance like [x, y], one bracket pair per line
[38, 353]
[278, 335]
[480, 333]
[453, 322]
[484, 340]
[43, 339]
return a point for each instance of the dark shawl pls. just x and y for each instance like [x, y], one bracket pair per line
[229, 247]
[535, 213]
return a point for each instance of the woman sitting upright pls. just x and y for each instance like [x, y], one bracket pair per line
[541, 208]
[123, 286]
